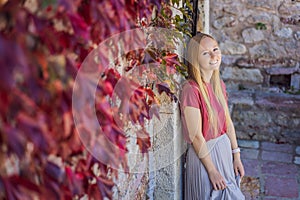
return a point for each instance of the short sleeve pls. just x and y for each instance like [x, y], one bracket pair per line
[190, 96]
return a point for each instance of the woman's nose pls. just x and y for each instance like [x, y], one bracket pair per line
[212, 55]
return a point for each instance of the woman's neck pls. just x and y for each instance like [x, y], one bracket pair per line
[206, 76]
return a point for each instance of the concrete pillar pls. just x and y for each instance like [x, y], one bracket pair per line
[165, 161]
[206, 16]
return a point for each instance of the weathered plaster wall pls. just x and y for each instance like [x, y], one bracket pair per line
[166, 161]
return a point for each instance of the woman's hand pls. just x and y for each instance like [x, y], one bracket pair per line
[217, 180]
[238, 165]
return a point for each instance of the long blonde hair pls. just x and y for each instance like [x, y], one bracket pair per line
[195, 74]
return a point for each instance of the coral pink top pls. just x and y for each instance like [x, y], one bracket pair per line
[191, 96]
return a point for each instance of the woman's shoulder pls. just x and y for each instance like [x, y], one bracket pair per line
[189, 88]
[189, 83]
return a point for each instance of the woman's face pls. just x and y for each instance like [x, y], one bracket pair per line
[209, 54]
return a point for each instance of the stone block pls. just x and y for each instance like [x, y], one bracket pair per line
[264, 5]
[288, 8]
[249, 153]
[298, 150]
[282, 119]
[284, 32]
[167, 181]
[223, 21]
[252, 167]
[277, 156]
[241, 97]
[247, 75]
[281, 70]
[249, 144]
[282, 102]
[165, 178]
[295, 81]
[262, 51]
[293, 135]
[282, 48]
[233, 9]
[292, 47]
[256, 121]
[251, 35]
[279, 169]
[163, 194]
[297, 35]
[297, 160]
[259, 18]
[233, 48]
[228, 60]
[162, 125]
[269, 146]
[281, 187]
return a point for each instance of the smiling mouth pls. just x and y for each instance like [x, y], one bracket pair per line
[213, 63]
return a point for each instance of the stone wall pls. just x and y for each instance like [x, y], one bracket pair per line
[260, 42]
[260, 45]
[165, 161]
[157, 174]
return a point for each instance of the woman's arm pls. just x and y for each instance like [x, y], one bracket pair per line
[194, 125]
[237, 163]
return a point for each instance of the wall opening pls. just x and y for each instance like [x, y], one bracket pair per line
[280, 80]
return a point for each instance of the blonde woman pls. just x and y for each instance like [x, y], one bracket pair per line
[213, 164]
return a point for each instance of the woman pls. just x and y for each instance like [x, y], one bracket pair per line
[213, 164]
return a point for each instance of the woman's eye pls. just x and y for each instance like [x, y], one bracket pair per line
[216, 49]
[205, 53]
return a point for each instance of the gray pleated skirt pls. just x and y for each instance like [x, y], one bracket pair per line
[197, 183]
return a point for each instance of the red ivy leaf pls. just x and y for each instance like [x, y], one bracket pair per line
[105, 186]
[143, 140]
[54, 172]
[164, 87]
[75, 181]
[79, 26]
[94, 192]
[15, 185]
[15, 141]
[154, 110]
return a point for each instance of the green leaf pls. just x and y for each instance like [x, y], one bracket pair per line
[189, 5]
[47, 3]
[260, 26]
